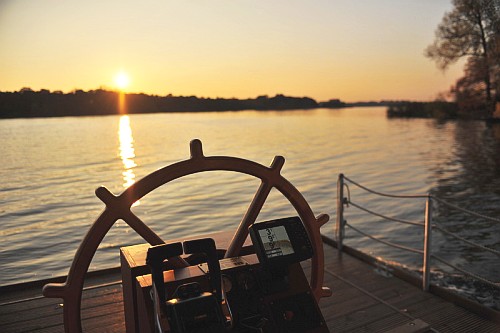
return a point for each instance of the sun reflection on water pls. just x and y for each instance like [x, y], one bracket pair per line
[127, 152]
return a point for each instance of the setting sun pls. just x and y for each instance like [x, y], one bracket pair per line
[122, 80]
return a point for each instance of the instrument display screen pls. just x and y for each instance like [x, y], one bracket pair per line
[276, 241]
[281, 242]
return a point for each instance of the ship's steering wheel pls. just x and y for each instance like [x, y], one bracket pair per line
[119, 207]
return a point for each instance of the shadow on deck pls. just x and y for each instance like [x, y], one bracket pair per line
[364, 300]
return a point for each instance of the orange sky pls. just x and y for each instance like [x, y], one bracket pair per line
[348, 49]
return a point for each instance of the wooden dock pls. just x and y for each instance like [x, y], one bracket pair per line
[364, 300]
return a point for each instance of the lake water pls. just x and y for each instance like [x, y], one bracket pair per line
[51, 167]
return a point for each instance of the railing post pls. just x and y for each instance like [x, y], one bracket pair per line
[426, 269]
[339, 226]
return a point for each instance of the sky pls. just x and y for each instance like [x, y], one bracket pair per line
[354, 50]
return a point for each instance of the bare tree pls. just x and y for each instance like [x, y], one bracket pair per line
[472, 30]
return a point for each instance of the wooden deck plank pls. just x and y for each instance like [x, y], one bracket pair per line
[363, 301]
[397, 295]
[363, 318]
[45, 315]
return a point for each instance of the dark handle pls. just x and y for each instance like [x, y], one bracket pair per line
[154, 259]
[207, 247]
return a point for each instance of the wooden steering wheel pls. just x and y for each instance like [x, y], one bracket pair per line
[118, 207]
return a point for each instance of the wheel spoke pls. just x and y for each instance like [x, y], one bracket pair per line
[142, 229]
[253, 211]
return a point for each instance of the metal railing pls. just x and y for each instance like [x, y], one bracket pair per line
[428, 226]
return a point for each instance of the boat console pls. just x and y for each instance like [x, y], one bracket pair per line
[262, 292]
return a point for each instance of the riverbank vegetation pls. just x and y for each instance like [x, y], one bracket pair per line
[438, 110]
[471, 31]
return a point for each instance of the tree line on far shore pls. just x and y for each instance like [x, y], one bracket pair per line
[28, 103]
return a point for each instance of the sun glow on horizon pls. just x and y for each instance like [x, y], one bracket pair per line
[122, 80]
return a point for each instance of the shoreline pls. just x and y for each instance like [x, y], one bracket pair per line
[42, 104]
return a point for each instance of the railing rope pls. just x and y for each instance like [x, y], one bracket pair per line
[495, 285]
[414, 196]
[470, 212]
[398, 246]
[427, 224]
[449, 233]
[384, 216]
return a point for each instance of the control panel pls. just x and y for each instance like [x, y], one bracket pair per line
[262, 292]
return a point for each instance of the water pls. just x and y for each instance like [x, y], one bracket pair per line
[51, 167]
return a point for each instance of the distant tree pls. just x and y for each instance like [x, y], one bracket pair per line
[472, 30]
[26, 89]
